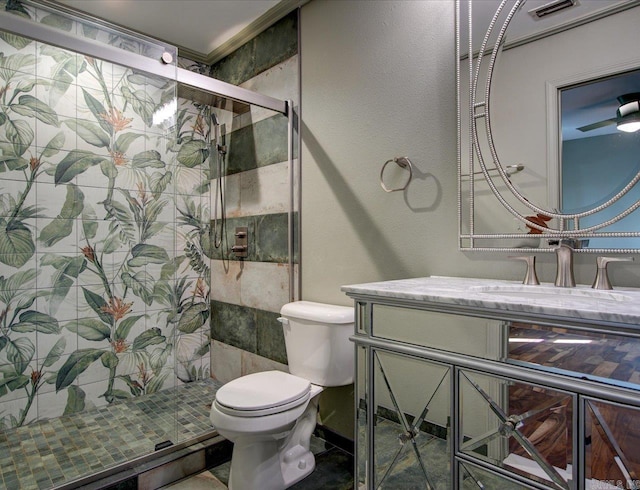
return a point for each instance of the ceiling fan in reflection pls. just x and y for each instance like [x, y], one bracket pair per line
[627, 116]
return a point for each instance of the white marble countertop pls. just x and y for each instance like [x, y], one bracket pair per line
[620, 306]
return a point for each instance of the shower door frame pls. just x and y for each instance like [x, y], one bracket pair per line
[89, 47]
[43, 33]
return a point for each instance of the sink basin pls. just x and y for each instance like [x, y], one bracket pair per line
[550, 293]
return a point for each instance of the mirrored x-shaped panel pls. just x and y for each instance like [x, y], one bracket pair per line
[522, 428]
[473, 477]
[413, 411]
[612, 457]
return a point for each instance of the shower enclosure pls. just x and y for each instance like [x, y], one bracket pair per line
[107, 151]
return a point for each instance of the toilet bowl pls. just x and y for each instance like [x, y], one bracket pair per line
[270, 416]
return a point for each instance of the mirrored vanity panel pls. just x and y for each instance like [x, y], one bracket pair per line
[462, 383]
[410, 435]
[473, 477]
[548, 140]
[613, 441]
[604, 357]
[526, 428]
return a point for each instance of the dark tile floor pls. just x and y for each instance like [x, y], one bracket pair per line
[334, 471]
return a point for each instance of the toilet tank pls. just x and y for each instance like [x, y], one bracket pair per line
[316, 337]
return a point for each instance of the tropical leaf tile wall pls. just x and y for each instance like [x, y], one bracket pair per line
[104, 286]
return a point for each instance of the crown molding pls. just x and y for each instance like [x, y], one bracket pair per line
[192, 54]
[262, 23]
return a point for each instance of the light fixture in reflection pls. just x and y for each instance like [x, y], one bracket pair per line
[628, 114]
[572, 341]
[520, 340]
[165, 112]
[630, 123]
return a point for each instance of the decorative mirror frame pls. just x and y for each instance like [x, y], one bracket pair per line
[481, 109]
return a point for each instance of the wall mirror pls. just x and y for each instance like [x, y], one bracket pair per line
[549, 124]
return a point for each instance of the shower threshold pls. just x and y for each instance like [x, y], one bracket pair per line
[75, 449]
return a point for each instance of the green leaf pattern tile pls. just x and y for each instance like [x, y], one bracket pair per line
[101, 263]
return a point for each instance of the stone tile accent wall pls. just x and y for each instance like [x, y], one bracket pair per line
[251, 329]
[275, 45]
[247, 294]
[229, 362]
[268, 237]
[257, 145]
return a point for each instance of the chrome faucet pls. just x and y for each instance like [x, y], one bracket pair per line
[602, 279]
[564, 272]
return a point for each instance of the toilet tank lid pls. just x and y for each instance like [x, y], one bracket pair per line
[318, 312]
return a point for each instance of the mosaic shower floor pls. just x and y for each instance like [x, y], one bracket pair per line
[52, 452]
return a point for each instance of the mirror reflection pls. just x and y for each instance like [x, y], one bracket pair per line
[600, 123]
[551, 76]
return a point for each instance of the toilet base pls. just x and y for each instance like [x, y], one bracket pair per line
[272, 463]
[297, 465]
[273, 476]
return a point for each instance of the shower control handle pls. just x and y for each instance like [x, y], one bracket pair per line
[241, 247]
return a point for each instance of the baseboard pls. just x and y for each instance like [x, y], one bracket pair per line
[334, 438]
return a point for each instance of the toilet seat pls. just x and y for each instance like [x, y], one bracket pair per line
[262, 393]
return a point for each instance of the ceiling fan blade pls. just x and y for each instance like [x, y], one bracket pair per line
[600, 124]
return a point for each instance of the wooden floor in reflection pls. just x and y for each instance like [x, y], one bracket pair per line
[549, 427]
[613, 432]
[606, 356]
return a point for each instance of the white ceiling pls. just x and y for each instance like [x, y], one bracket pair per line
[206, 26]
[524, 25]
[198, 25]
[587, 104]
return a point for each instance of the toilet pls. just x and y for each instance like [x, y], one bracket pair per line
[270, 416]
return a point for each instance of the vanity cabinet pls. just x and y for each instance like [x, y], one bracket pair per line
[454, 390]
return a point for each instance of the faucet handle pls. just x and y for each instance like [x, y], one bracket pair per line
[530, 277]
[602, 278]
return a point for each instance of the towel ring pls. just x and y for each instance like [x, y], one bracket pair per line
[402, 162]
